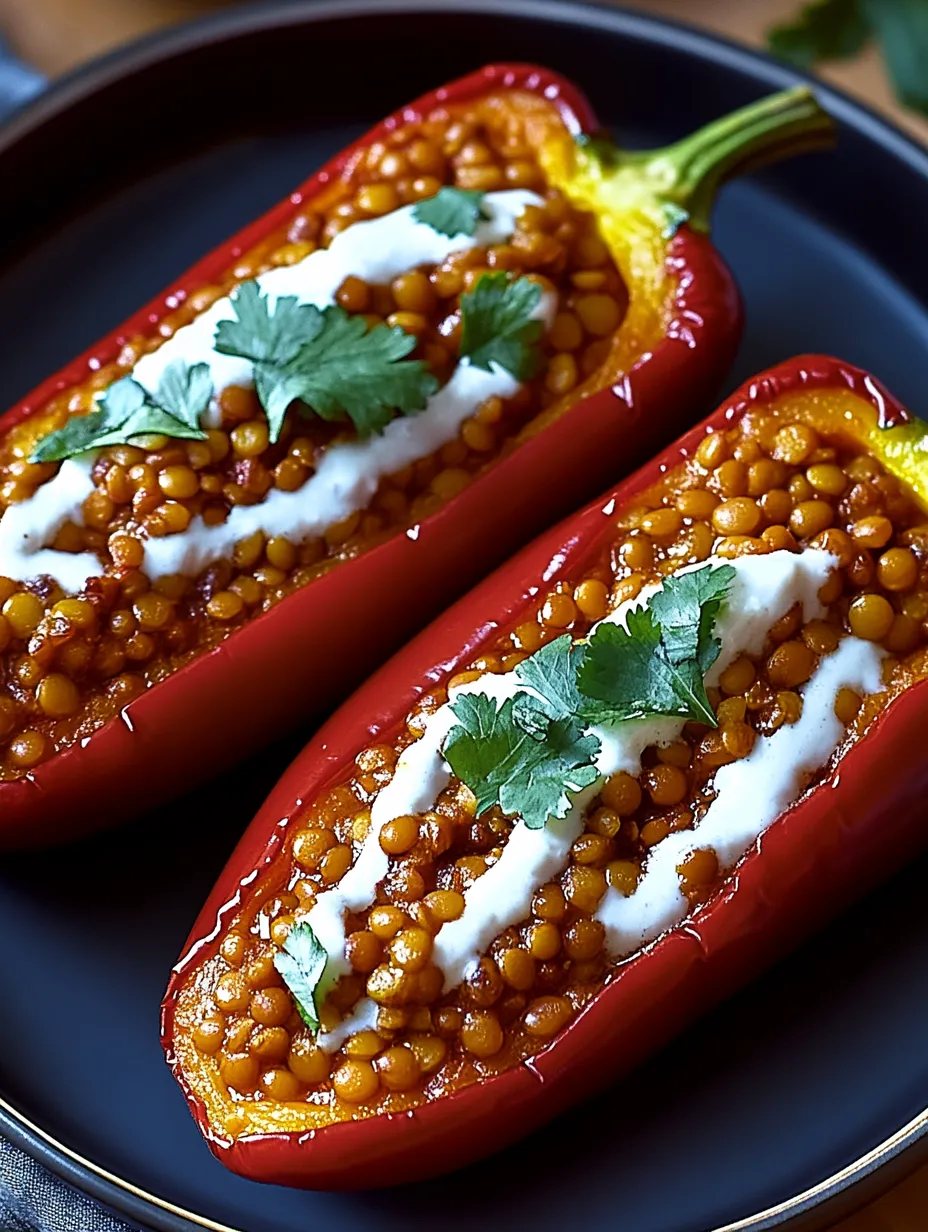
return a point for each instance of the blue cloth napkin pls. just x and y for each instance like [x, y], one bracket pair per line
[17, 82]
[31, 1198]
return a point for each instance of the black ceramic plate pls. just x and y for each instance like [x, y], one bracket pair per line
[794, 1098]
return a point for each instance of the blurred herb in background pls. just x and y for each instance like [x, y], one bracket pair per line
[839, 29]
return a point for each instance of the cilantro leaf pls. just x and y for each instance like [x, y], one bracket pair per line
[80, 432]
[901, 28]
[452, 211]
[839, 29]
[277, 390]
[120, 403]
[127, 410]
[347, 367]
[302, 963]
[552, 673]
[149, 421]
[264, 334]
[675, 605]
[821, 30]
[630, 671]
[543, 785]
[324, 358]
[656, 665]
[481, 744]
[497, 325]
[184, 393]
[518, 758]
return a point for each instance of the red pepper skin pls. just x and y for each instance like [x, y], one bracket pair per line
[300, 657]
[827, 849]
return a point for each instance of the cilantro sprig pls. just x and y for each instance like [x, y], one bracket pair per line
[301, 963]
[654, 666]
[452, 211]
[497, 325]
[128, 410]
[531, 754]
[519, 758]
[325, 359]
[657, 665]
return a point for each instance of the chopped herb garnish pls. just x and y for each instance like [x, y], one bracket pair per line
[656, 665]
[530, 753]
[302, 964]
[497, 325]
[324, 358]
[452, 211]
[515, 756]
[127, 410]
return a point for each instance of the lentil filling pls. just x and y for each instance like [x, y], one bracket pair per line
[770, 483]
[70, 662]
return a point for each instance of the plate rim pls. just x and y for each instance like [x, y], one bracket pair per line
[874, 1172]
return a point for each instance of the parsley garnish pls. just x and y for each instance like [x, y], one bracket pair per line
[127, 410]
[302, 963]
[497, 325]
[530, 753]
[452, 211]
[324, 358]
[515, 756]
[656, 666]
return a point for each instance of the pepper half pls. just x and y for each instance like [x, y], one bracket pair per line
[152, 731]
[838, 836]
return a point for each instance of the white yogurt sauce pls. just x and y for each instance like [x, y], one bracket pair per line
[345, 481]
[750, 794]
[763, 590]
[362, 1018]
[27, 527]
[377, 251]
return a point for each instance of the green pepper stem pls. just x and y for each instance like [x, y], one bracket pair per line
[688, 173]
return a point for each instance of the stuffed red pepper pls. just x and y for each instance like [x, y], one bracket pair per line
[228, 511]
[631, 767]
